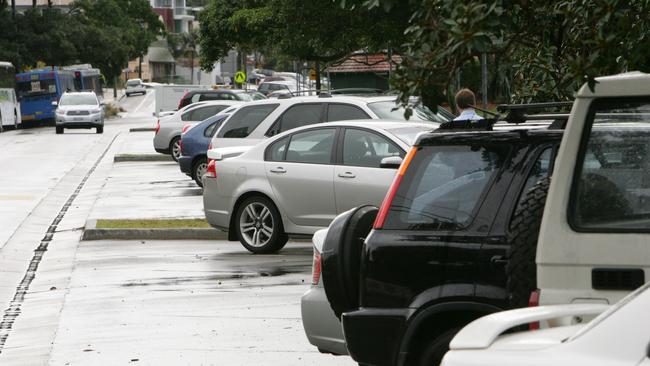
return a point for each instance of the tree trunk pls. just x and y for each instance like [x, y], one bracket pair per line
[114, 87]
[317, 69]
[13, 9]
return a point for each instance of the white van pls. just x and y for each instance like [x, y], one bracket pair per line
[168, 96]
[594, 242]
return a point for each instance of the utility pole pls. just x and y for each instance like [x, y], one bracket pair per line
[140, 68]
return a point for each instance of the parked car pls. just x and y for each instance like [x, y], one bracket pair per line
[594, 236]
[322, 327]
[167, 137]
[79, 110]
[193, 96]
[434, 259]
[296, 182]
[262, 119]
[135, 86]
[267, 87]
[195, 142]
[620, 335]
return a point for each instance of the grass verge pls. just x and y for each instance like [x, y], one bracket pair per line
[153, 224]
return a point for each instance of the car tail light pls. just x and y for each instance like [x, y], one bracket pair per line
[388, 200]
[210, 146]
[211, 172]
[180, 102]
[533, 300]
[316, 268]
[186, 127]
[157, 126]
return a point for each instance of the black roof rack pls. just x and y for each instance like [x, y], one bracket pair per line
[520, 113]
[515, 114]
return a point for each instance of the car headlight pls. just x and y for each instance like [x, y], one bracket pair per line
[60, 112]
[95, 111]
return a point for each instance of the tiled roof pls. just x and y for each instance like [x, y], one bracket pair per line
[362, 62]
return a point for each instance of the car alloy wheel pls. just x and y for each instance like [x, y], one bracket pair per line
[256, 224]
[176, 149]
[200, 168]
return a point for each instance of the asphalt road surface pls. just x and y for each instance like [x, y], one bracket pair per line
[68, 302]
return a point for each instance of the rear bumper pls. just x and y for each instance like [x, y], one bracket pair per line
[322, 327]
[216, 206]
[373, 336]
[185, 164]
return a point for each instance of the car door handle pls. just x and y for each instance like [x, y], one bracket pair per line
[347, 175]
[278, 170]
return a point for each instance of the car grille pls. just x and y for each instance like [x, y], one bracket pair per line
[78, 113]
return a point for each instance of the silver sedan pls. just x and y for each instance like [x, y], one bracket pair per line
[168, 129]
[297, 182]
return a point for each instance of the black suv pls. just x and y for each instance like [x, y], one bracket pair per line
[436, 254]
[193, 96]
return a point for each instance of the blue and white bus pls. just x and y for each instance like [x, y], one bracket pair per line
[9, 106]
[37, 89]
[86, 78]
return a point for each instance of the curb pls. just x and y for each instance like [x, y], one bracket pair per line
[142, 129]
[141, 157]
[92, 233]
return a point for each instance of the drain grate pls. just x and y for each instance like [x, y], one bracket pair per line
[14, 309]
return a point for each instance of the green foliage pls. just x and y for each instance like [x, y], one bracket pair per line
[105, 33]
[550, 47]
[305, 30]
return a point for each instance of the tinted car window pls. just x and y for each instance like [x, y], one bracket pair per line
[276, 151]
[390, 110]
[342, 112]
[201, 113]
[611, 188]
[300, 115]
[210, 130]
[365, 148]
[245, 120]
[442, 186]
[314, 147]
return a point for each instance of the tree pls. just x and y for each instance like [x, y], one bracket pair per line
[112, 32]
[552, 47]
[304, 30]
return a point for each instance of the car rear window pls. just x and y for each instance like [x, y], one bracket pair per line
[611, 188]
[245, 120]
[443, 186]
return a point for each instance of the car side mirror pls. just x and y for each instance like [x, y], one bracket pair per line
[55, 103]
[391, 162]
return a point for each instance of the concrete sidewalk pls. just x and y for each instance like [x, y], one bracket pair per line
[146, 189]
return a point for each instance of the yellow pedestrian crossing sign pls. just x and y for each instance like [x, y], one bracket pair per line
[240, 77]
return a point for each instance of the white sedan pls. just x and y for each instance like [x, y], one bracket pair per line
[620, 335]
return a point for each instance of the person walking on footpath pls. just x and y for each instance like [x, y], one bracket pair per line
[465, 101]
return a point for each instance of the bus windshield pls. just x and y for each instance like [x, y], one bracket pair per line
[36, 87]
[7, 75]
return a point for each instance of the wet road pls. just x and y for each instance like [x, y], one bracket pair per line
[67, 302]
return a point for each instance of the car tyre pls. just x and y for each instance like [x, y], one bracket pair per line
[175, 148]
[258, 226]
[521, 270]
[100, 129]
[433, 352]
[59, 130]
[198, 170]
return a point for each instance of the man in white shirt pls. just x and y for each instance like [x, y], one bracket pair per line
[465, 101]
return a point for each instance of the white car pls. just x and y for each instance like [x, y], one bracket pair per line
[261, 119]
[619, 336]
[135, 86]
[168, 129]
